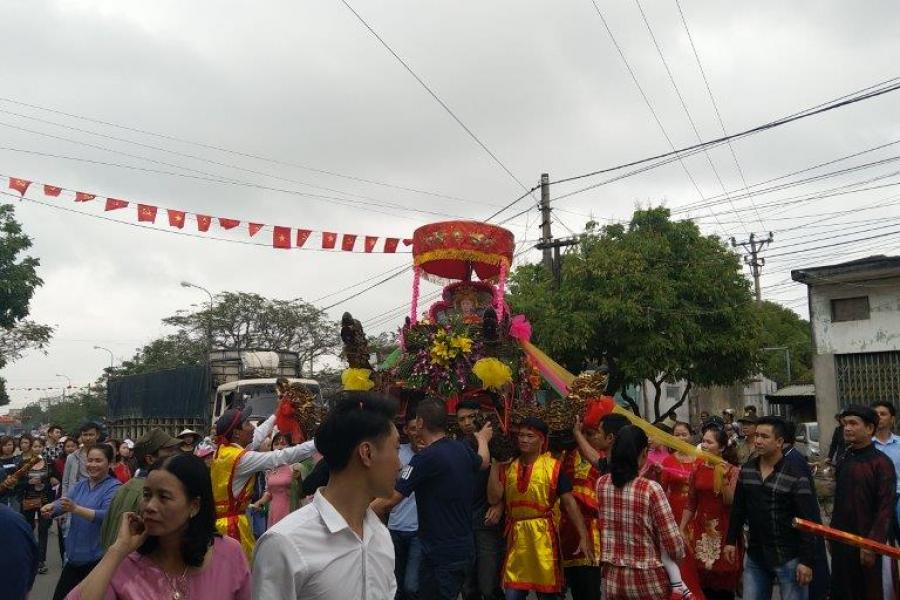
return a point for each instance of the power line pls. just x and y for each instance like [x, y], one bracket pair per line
[215, 178]
[434, 95]
[687, 112]
[158, 229]
[646, 101]
[234, 152]
[715, 105]
[694, 148]
[364, 290]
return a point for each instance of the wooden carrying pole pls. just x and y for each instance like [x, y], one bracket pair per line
[836, 535]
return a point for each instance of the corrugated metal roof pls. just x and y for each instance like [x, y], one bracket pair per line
[807, 389]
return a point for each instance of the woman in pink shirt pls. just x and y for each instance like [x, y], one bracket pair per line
[172, 549]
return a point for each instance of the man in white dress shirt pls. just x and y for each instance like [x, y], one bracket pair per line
[336, 547]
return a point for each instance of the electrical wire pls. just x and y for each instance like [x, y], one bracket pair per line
[233, 152]
[887, 87]
[161, 230]
[434, 95]
[687, 112]
[647, 102]
[715, 105]
[215, 178]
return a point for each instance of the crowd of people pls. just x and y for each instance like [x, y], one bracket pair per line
[367, 510]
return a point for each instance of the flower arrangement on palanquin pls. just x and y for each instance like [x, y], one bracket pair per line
[298, 414]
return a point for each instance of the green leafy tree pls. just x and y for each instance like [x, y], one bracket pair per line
[783, 328]
[18, 282]
[655, 299]
[82, 405]
[239, 321]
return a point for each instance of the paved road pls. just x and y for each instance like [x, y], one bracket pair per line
[45, 584]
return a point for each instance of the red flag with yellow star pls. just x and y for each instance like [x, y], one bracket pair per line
[20, 185]
[176, 218]
[52, 190]
[203, 222]
[254, 228]
[147, 213]
[329, 239]
[371, 240]
[390, 245]
[302, 236]
[84, 197]
[281, 237]
[228, 223]
[114, 204]
[347, 242]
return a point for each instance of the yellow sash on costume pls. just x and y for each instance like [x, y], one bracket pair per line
[584, 480]
[231, 511]
[532, 546]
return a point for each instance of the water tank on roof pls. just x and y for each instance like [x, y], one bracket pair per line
[260, 361]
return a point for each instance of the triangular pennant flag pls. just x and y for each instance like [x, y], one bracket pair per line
[203, 222]
[328, 240]
[114, 204]
[347, 242]
[20, 185]
[228, 223]
[84, 197]
[302, 236]
[146, 212]
[176, 218]
[390, 245]
[52, 190]
[371, 240]
[407, 242]
[254, 228]
[281, 237]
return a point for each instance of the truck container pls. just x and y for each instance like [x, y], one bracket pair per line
[193, 397]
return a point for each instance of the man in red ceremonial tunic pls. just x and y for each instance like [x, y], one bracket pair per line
[530, 487]
[582, 575]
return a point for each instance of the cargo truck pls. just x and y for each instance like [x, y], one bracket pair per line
[193, 397]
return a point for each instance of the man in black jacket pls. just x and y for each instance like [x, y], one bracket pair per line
[770, 493]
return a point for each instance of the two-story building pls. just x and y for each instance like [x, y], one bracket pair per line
[854, 313]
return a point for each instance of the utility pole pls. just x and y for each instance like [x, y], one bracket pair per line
[752, 247]
[551, 246]
[546, 234]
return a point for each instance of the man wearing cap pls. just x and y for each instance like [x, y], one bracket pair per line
[150, 451]
[530, 486]
[863, 505]
[235, 463]
[745, 444]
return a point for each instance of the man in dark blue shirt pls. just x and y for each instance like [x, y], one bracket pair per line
[442, 476]
[19, 559]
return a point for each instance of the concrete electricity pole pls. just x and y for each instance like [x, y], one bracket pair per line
[549, 245]
[752, 247]
[546, 234]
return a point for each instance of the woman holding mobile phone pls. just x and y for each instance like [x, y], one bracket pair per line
[172, 549]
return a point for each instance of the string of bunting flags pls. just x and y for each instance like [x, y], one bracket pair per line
[283, 237]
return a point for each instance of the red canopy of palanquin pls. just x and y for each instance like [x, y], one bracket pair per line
[457, 249]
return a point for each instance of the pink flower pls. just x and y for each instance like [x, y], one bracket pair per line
[520, 328]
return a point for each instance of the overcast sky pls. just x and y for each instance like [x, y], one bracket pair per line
[540, 83]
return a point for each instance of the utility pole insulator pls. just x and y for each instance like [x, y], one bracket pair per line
[752, 247]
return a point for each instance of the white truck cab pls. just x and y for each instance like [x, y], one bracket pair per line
[258, 395]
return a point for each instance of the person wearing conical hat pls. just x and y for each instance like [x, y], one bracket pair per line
[530, 487]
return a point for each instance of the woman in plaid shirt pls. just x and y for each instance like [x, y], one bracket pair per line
[636, 524]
